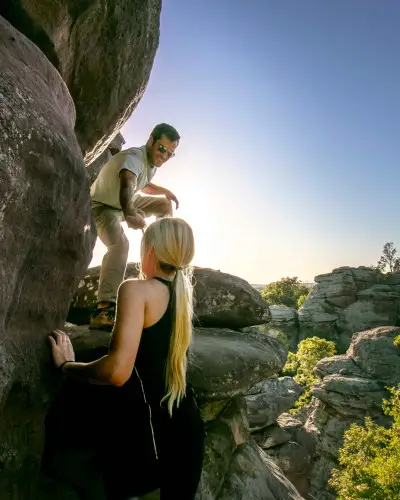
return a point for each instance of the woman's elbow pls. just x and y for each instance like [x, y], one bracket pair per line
[118, 378]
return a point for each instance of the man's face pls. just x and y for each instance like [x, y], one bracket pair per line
[161, 150]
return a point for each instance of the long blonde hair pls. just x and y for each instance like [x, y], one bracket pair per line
[173, 244]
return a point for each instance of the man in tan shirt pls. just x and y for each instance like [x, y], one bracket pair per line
[123, 191]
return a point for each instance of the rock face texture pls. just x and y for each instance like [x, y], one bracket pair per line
[285, 319]
[103, 50]
[341, 303]
[352, 386]
[269, 399]
[221, 300]
[350, 300]
[45, 243]
[114, 147]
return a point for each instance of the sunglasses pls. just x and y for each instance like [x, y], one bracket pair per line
[162, 149]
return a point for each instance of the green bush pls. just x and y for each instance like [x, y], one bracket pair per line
[283, 338]
[286, 291]
[396, 341]
[370, 458]
[301, 300]
[300, 365]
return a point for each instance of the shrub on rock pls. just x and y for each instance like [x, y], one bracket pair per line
[301, 365]
[370, 458]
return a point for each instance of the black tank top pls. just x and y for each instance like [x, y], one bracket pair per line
[149, 374]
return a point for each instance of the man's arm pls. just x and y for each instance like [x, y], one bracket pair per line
[159, 190]
[127, 190]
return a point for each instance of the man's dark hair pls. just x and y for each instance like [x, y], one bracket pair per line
[164, 129]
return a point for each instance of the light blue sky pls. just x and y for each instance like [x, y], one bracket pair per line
[289, 112]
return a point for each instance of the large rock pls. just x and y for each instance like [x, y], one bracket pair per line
[268, 399]
[103, 50]
[253, 475]
[283, 326]
[221, 300]
[114, 147]
[352, 387]
[291, 447]
[223, 363]
[45, 245]
[349, 300]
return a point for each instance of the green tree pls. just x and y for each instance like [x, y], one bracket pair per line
[370, 458]
[301, 365]
[286, 291]
[388, 261]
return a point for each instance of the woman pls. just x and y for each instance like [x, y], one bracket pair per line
[149, 426]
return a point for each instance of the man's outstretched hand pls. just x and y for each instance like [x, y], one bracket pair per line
[171, 197]
[135, 220]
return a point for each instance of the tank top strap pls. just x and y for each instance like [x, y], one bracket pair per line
[166, 282]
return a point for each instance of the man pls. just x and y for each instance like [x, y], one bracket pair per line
[123, 191]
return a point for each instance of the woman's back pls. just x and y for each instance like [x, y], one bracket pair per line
[149, 375]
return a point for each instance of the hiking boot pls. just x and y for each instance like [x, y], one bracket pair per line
[103, 318]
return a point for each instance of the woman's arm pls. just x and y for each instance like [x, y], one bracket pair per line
[116, 367]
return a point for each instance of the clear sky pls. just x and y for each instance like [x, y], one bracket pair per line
[289, 112]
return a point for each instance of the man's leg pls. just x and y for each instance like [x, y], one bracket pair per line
[112, 272]
[153, 205]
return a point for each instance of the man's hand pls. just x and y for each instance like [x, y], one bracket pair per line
[170, 196]
[135, 220]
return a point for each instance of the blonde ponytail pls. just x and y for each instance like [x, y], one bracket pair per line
[173, 243]
[181, 338]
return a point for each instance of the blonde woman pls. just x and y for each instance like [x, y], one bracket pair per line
[148, 426]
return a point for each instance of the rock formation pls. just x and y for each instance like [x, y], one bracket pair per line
[71, 74]
[343, 302]
[45, 244]
[104, 52]
[350, 300]
[115, 146]
[352, 387]
[221, 300]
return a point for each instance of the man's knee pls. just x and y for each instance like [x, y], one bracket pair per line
[123, 244]
[165, 207]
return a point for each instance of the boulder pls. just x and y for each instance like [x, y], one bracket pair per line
[253, 475]
[349, 300]
[221, 300]
[268, 399]
[223, 363]
[271, 436]
[291, 447]
[352, 387]
[103, 50]
[374, 353]
[45, 244]
[114, 147]
[285, 319]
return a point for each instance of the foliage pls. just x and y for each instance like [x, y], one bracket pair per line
[388, 261]
[283, 338]
[286, 291]
[396, 341]
[301, 300]
[301, 365]
[370, 458]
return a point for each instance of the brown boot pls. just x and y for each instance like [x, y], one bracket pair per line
[103, 318]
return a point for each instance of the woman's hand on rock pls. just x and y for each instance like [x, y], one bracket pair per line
[61, 348]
